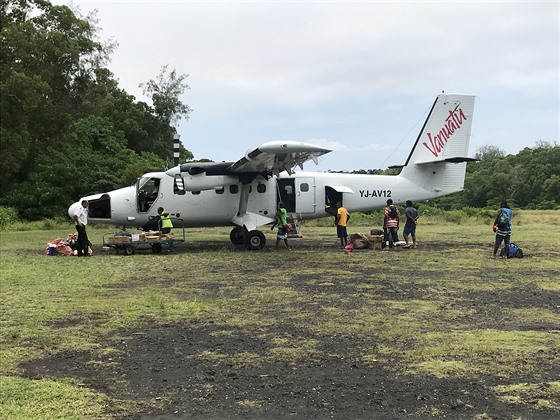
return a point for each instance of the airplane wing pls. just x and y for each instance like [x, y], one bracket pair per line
[278, 156]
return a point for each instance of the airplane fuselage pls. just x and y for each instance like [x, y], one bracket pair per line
[309, 194]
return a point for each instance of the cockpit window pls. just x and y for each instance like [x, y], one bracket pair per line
[147, 193]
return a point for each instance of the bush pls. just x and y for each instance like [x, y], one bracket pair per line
[8, 216]
[546, 205]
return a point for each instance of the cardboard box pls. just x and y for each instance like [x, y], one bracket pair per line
[118, 239]
[376, 241]
[138, 237]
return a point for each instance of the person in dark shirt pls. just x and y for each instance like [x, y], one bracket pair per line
[410, 225]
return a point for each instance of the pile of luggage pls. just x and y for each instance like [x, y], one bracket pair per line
[65, 247]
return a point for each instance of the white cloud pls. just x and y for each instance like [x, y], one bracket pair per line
[356, 75]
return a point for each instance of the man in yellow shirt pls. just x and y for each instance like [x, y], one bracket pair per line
[342, 219]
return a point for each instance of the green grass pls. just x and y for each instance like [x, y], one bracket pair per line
[47, 399]
[425, 308]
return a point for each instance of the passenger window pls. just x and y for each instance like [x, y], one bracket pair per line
[220, 190]
[234, 189]
[304, 187]
[196, 192]
[261, 188]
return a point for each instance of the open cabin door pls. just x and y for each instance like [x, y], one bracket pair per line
[334, 194]
[297, 194]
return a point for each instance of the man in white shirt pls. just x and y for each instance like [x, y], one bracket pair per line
[81, 216]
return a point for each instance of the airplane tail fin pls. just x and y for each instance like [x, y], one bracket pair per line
[438, 160]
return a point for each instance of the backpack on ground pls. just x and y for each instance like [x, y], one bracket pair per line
[514, 251]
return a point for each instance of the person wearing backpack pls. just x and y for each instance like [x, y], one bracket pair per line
[502, 228]
[390, 224]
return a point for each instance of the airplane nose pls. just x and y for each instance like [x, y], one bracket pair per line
[72, 209]
[174, 171]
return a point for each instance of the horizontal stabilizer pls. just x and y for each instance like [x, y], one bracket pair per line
[456, 159]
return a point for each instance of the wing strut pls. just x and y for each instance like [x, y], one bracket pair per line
[249, 221]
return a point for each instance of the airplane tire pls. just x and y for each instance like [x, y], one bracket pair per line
[255, 240]
[237, 236]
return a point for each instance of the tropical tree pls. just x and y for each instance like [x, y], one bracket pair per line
[167, 109]
[66, 128]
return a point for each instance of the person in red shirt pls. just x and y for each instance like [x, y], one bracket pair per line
[390, 224]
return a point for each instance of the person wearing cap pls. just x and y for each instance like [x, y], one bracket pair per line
[81, 219]
[166, 223]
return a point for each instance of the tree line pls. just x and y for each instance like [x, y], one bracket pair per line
[67, 129]
[529, 179]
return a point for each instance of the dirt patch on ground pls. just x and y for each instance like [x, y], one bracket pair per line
[189, 369]
[161, 368]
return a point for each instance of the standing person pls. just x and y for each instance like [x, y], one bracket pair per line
[502, 227]
[342, 219]
[282, 222]
[410, 225]
[390, 224]
[81, 219]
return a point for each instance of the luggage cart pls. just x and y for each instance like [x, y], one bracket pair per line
[128, 245]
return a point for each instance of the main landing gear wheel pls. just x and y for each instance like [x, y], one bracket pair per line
[255, 240]
[237, 236]
[156, 248]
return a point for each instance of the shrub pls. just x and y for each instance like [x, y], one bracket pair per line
[8, 216]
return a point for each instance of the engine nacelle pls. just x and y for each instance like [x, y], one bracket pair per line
[202, 181]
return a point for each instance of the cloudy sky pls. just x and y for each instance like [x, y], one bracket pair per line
[358, 77]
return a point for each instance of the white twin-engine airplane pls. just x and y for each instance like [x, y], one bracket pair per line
[244, 194]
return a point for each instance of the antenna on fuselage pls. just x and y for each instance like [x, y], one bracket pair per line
[176, 142]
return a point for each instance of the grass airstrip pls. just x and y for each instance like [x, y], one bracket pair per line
[443, 310]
